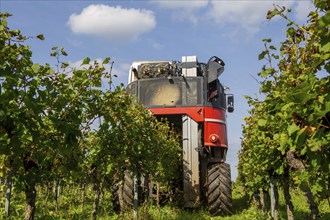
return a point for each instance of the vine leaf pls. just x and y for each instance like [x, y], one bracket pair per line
[86, 61]
[41, 37]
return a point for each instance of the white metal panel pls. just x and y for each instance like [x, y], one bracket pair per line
[189, 71]
[191, 185]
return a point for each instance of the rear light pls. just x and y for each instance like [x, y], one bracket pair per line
[214, 138]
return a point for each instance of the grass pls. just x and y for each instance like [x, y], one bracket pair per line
[71, 208]
[241, 210]
[301, 208]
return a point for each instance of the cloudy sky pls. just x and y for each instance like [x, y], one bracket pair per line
[160, 30]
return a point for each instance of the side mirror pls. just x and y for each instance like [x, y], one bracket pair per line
[230, 102]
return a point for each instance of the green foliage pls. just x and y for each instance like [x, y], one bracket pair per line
[75, 202]
[47, 122]
[295, 114]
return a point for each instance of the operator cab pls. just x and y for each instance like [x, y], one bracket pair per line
[176, 84]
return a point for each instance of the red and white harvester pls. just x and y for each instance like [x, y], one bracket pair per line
[190, 96]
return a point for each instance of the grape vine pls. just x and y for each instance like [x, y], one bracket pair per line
[287, 136]
[47, 125]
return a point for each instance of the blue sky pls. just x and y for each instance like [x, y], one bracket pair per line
[160, 30]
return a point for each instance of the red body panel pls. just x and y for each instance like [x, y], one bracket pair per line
[214, 120]
[215, 123]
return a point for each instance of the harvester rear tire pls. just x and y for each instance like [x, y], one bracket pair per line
[122, 193]
[127, 193]
[115, 194]
[219, 191]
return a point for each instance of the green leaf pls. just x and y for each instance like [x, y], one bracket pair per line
[267, 40]
[272, 47]
[327, 67]
[35, 68]
[303, 151]
[319, 133]
[324, 21]
[321, 99]
[291, 32]
[41, 37]
[316, 188]
[287, 106]
[86, 61]
[106, 60]
[272, 13]
[293, 128]
[263, 54]
[301, 137]
[262, 122]
[275, 56]
[64, 65]
[267, 72]
[29, 138]
[63, 52]
[283, 140]
[54, 54]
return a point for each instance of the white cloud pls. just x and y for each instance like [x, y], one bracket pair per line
[245, 15]
[157, 46]
[74, 42]
[121, 71]
[187, 5]
[114, 23]
[184, 10]
[241, 17]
